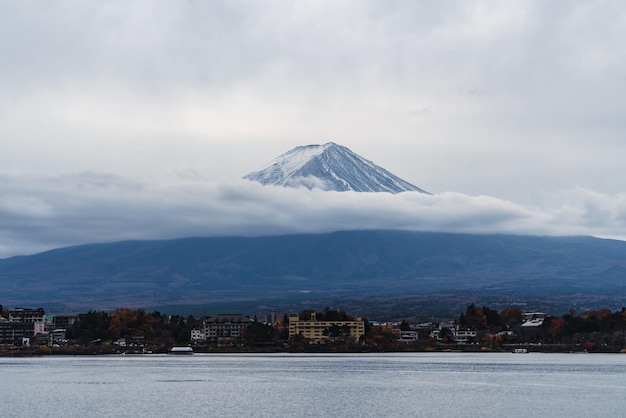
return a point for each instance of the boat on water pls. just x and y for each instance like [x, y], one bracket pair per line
[181, 351]
[520, 351]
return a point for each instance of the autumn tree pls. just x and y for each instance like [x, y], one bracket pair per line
[557, 326]
[474, 318]
[512, 316]
[381, 336]
[127, 323]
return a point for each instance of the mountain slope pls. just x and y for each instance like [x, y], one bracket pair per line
[338, 265]
[329, 167]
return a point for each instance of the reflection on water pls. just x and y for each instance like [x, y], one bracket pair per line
[278, 385]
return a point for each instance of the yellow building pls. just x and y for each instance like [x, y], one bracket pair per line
[315, 330]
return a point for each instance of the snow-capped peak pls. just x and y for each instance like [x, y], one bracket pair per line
[292, 160]
[330, 167]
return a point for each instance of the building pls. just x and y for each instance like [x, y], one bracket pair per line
[27, 315]
[197, 335]
[444, 331]
[23, 324]
[464, 336]
[271, 318]
[407, 337]
[225, 327]
[453, 333]
[529, 316]
[64, 321]
[13, 332]
[531, 325]
[317, 331]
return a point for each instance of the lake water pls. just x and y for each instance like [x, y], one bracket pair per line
[298, 385]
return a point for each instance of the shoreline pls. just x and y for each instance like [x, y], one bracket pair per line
[92, 351]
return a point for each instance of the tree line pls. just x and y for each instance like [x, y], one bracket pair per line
[162, 330]
[600, 330]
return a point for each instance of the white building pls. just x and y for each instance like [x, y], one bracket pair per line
[225, 326]
[197, 335]
[407, 337]
[464, 336]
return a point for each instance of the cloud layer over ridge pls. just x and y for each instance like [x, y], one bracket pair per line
[44, 213]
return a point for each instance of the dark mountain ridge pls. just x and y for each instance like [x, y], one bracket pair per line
[337, 265]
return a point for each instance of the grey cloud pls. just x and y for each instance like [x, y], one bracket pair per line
[36, 217]
[520, 100]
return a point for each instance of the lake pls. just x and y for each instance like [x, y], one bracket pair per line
[320, 385]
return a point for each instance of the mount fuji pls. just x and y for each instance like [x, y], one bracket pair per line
[329, 167]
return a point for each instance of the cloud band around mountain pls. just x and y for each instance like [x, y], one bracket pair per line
[45, 213]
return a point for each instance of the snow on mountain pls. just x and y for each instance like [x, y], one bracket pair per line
[329, 167]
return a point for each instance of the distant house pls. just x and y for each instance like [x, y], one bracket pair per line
[454, 334]
[425, 327]
[197, 335]
[532, 323]
[407, 337]
[57, 335]
[317, 331]
[225, 326]
[529, 316]
[138, 340]
[444, 330]
[464, 336]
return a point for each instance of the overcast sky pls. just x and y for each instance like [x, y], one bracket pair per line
[133, 120]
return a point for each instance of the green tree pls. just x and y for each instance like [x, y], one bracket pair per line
[258, 333]
[493, 319]
[180, 330]
[445, 334]
[305, 315]
[475, 318]
[404, 325]
[70, 332]
[93, 326]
